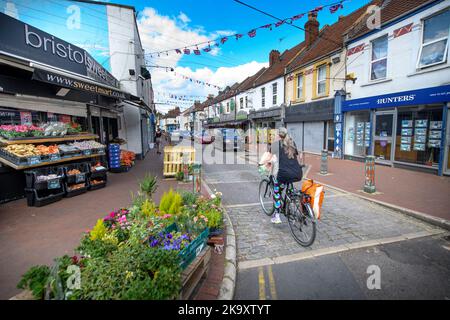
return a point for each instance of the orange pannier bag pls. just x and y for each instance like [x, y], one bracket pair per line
[317, 192]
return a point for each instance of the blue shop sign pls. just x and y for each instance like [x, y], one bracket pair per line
[422, 96]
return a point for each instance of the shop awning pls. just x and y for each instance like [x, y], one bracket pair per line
[77, 83]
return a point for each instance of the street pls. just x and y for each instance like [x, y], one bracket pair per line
[353, 234]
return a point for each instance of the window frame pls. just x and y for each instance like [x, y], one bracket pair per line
[325, 66]
[302, 77]
[241, 103]
[228, 107]
[274, 93]
[246, 102]
[422, 44]
[386, 36]
[263, 97]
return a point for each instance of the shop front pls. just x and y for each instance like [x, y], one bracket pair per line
[406, 129]
[311, 125]
[263, 123]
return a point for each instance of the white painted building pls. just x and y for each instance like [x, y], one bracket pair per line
[397, 110]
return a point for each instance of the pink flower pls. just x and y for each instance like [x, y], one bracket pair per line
[166, 216]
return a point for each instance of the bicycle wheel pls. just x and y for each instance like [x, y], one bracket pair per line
[302, 223]
[266, 196]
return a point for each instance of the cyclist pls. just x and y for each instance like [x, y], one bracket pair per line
[285, 167]
[158, 135]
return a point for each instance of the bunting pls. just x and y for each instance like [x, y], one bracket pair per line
[333, 7]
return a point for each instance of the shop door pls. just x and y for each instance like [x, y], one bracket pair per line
[313, 136]
[383, 136]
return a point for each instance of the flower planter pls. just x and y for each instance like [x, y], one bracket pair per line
[215, 232]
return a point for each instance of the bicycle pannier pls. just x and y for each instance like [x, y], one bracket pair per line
[316, 192]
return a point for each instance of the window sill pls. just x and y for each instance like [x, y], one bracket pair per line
[376, 82]
[430, 69]
[320, 97]
[298, 101]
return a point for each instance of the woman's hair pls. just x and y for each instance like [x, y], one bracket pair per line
[288, 144]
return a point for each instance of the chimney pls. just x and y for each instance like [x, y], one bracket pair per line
[311, 29]
[274, 56]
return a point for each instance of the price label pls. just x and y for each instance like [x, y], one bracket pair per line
[55, 157]
[87, 152]
[80, 177]
[53, 184]
[34, 160]
[101, 151]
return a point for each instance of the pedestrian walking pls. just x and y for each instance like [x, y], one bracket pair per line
[158, 135]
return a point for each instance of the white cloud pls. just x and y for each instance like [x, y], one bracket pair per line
[159, 32]
[183, 17]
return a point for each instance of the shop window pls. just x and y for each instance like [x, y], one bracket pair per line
[357, 133]
[434, 46]
[274, 93]
[378, 64]
[418, 136]
[299, 86]
[330, 136]
[321, 80]
[263, 97]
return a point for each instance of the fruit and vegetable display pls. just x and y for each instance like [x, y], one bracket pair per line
[97, 167]
[22, 150]
[95, 181]
[87, 145]
[67, 148]
[20, 131]
[76, 186]
[50, 129]
[44, 150]
[127, 158]
[43, 178]
[73, 172]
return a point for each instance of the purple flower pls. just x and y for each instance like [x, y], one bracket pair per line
[169, 236]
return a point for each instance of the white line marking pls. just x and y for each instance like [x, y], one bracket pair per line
[244, 205]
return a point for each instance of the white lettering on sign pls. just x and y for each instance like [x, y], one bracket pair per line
[410, 97]
[74, 20]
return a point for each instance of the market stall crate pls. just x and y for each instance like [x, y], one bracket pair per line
[48, 178]
[36, 198]
[175, 157]
[196, 270]
[76, 181]
[98, 175]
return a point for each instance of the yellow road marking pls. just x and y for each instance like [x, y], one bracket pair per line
[262, 284]
[273, 291]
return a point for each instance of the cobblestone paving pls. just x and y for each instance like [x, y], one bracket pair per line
[345, 219]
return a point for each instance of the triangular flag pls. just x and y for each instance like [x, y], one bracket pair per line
[178, 51]
[266, 26]
[223, 40]
[279, 23]
[252, 33]
[238, 36]
[336, 7]
[299, 16]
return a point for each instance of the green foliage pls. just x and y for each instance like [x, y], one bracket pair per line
[98, 231]
[189, 198]
[138, 199]
[148, 208]
[215, 218]
[179, 176]
[148, 185]
[96, 248]
[132, 272]
[171, 202]
[35, 280]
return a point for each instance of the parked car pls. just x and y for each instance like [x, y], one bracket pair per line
[204, 137]
[229, 140]
[175, 136]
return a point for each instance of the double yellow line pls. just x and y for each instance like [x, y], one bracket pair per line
[262, 283]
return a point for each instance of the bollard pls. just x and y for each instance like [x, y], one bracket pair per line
[324, 162]
[197, 179]
[369, 184]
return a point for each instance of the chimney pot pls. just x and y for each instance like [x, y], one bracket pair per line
[311, 29]
[274, 56]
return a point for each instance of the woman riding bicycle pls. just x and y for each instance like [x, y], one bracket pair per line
[285, 168]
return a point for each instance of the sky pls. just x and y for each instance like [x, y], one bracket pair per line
[170, 24]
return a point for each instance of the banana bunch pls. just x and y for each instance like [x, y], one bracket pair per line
[22, 150]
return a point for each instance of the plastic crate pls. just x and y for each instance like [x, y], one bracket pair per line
[97, 186]
[36, 200]
[97, 174]
[76, 192]
[33, 183]
[119, 169]
[20, 161]
[193, 249]
[83, 167]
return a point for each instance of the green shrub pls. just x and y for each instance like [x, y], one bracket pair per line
[179, 176]
[215, 218]
[189, 198]
[148, 185]
[35, 280]
[171, 202]
[98, 231]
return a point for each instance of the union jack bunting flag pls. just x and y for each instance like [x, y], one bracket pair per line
[299, 16]
[279, 23]
[252, 33]
[238, 36]
[336, 7]
[178, 51]
[186, 51]
[197, 52]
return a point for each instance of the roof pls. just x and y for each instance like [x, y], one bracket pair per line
[173, 113]
[329, 40]
[390, 10]
[250, 81]
[276, 70]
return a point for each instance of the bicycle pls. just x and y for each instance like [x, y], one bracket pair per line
[295, 207]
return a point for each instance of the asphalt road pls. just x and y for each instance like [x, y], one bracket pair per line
[408, 269]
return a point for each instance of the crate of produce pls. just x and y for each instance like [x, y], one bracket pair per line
[119, 169]
[76, 173]
[39, 199]
[75, 189]
[97, 183]
[98, 169]
[193, 249]
[48, 178]
[69, 151]
[21, 154]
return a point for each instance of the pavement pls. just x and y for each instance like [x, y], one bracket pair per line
[270, 260]
[31, 236]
